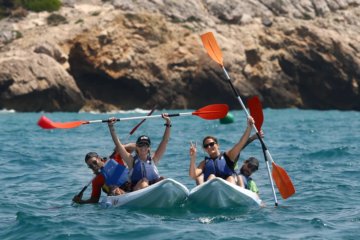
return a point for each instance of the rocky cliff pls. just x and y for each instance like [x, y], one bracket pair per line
[125, 54]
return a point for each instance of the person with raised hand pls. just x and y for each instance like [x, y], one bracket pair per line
[200, 178]
[217, 163]
[142, 165]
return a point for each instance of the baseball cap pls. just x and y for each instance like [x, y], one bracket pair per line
[143, 139]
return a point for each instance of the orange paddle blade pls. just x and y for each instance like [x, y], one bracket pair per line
[212, 47]
[46, 123]
[256, 111]
[211, 112]
[283, 181]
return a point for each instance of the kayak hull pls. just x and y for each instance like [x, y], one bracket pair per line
[218, 193]
[167, 193]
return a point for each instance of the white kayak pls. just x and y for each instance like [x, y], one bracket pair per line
[167, 193]
[218, 193]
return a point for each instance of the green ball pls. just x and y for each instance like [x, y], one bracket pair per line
[229, 118]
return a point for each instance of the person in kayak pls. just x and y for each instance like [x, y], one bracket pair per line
[249, 166]
[200, 179]
[112, 183]
[217, 164]
[142, 166]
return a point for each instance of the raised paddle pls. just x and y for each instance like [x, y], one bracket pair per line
[210, 112]
[130, 133]
[215, 53]
[256, 112]
[280, 176]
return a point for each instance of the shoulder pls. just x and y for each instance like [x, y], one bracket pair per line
[99, 180]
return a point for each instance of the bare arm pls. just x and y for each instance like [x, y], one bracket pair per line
[253, 137]
[126, 156]
[194, 172]
[235, 151]
[162, 146]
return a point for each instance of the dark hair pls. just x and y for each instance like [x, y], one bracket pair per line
[143, 139]
[253, 162]
[90, 155]
[210, 137]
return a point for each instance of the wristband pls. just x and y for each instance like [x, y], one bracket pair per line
[167, 125]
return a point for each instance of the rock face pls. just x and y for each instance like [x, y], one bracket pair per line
[35, 82]
[129, 54]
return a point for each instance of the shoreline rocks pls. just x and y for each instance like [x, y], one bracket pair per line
[126, 55]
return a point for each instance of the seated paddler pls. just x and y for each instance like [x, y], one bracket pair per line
[143, 164]
[217, 163]
[111, 176]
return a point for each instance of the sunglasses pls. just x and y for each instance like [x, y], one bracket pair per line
[209, 144]
[92, 164]
[253, 168]
[143, 145]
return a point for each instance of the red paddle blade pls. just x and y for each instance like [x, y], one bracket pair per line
[211, 112]
[256, 111]
[212, 47]
[46, 123]
[283, 181]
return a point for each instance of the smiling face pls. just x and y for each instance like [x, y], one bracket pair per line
[211, 146]
[94, 163]
[142, 149]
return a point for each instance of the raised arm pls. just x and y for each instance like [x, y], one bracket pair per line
[253, 137]
[194, 172]
[235, 151]
[162, 146]
[125, 155]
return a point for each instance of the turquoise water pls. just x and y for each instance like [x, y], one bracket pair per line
[42, 170]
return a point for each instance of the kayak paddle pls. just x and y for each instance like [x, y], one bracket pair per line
[130, 133]
[210, 112]
[256, 112]
[215, 54]
[280, 176]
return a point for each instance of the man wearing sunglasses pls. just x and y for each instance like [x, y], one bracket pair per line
[249, 166]
[217, 163]
[106, 179]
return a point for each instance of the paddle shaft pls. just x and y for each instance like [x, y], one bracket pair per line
[265, 150]
[85, 187]
[140, 117]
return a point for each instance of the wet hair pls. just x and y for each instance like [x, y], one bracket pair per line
[90, 155]
[210, 137]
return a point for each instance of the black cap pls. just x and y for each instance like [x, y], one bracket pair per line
[253, 162]
[143, 139]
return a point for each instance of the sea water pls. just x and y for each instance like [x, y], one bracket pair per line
[41, 170]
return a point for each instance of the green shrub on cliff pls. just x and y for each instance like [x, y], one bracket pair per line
[42, 5]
